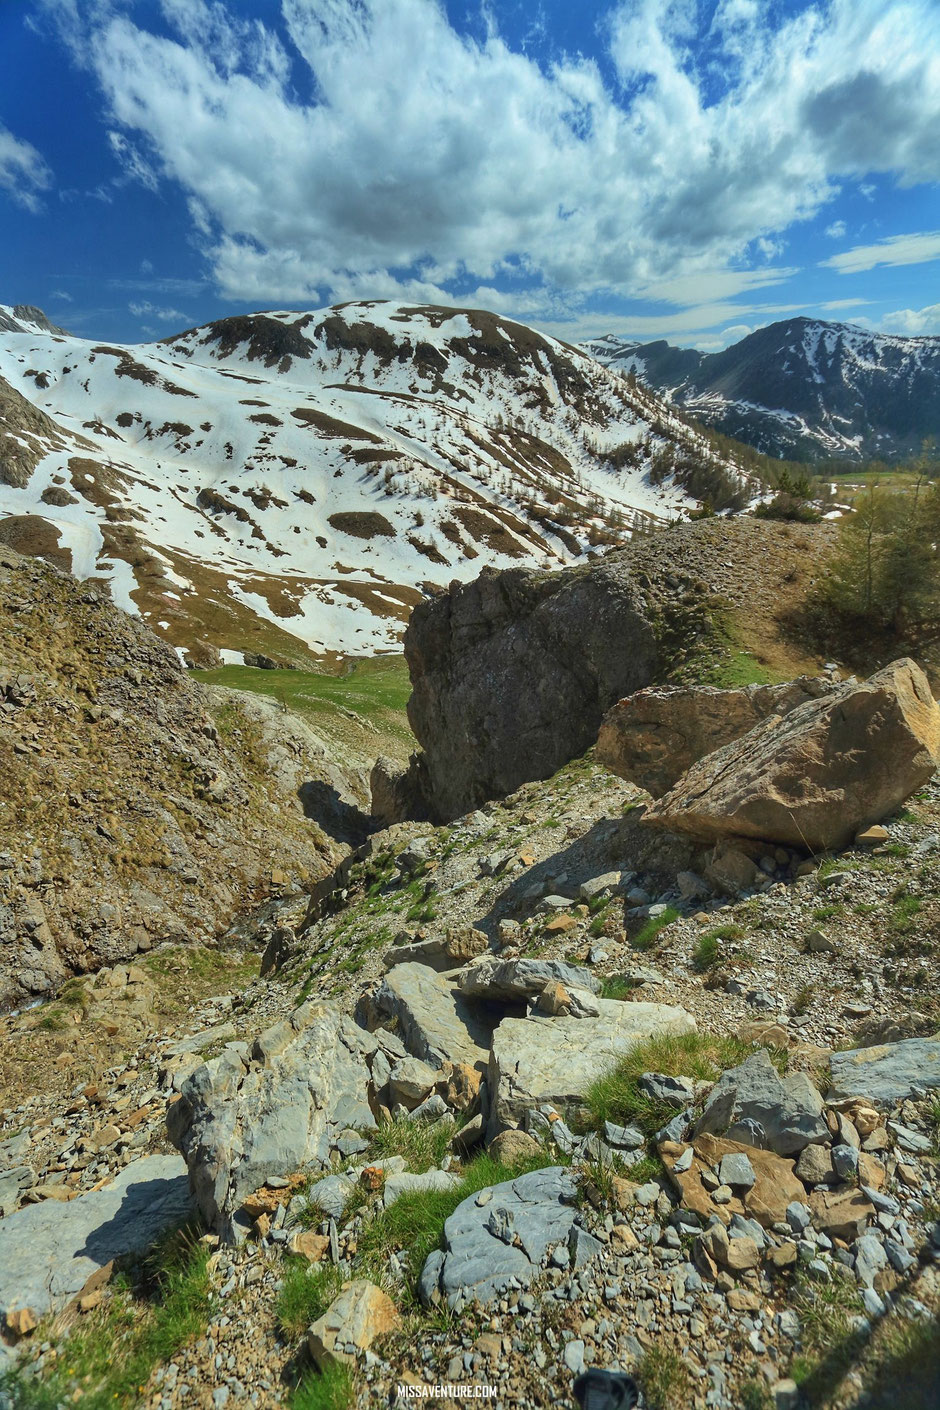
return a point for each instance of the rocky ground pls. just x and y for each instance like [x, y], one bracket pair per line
[804, 965]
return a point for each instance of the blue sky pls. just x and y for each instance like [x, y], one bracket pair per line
[687, 169]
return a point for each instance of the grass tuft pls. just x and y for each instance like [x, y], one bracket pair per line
[664, 1379]
[648, 933]
[329, 1389]
[307, 1289]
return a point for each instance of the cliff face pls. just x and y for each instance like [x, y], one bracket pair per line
[137, 806]
[512, 673]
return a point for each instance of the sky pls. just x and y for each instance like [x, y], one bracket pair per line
[680, 169]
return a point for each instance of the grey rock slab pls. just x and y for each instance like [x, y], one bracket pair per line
[48, 1251]
[537, 1060]
[199, 1042]
[888, 1073]
[436, 1022]
[506, 980]
[671, 1091]
[736, 1170]
[752, 1104]
[537, 1209]
[405, 1184]
[236, 1123]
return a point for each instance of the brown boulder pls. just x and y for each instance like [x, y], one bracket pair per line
[361, 1313]
[842, 1214]
[653, 736]
[774, 1188]
[815, 777]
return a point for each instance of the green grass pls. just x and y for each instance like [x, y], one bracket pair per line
[739, 668]
[617, 986]
[664, 1379]
[707, 951]
[329, 1389]
[423, 1144]
[616, 1096]
[827, 912]
[414, 1225]
[111, 1352]
[909, 1357]
[374, 689]
[307, 1289]
[829, 1344]
[648, 933]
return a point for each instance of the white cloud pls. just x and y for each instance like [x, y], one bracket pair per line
[61, 294]
[832, 305]
[165, 315]
[414, 157]
[24, 174]
[136, 168]
[896, 249]
[836, 230]
[913, 321]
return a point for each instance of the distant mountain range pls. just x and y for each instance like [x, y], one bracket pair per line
[292, 483]
[801, 389]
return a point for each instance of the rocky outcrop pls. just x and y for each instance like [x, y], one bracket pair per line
[511, 674]
[655, 735]
[889, 1073]
[276, 1108]
[351, 1323]
[553, 1061]
[509, 981]
[400, 792]
[435, 1021]
[815, 778]
[49, 1251]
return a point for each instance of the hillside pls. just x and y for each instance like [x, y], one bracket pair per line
[801, 389]
[293, 484]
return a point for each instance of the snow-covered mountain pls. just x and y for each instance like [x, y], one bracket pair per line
[292, 483]
[801, 389]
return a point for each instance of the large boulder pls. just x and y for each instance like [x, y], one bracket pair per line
[497, 1239]
[242, 1118]
[399, 791]
[511, 674]
[351, 1323]
[886, 1074]
[754, 1105]
[817, 776]
[49, 1251]
[434, 1020]
[653, 736]
[554, 1060]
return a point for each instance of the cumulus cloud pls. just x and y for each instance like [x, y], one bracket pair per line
[913, 321]
[836, 230]
[24, 174]
[896, 249]
[350, 149]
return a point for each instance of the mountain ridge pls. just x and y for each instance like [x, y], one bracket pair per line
[801, 388]
[293, 483]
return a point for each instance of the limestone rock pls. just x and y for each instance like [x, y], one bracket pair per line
[237, 1124]
[888, 1073]
[510, 1146]
[399, 791]
[842, 1214]
[488, 1245]
[753, 1104]
[512, 673]
[411, 1080]
[441, 952]
[508, 980]
[653, 736]
[537, 1060]
[351, 1323]
[49, 1251]
[434, 1020]
[775, 1185]
[815, 777]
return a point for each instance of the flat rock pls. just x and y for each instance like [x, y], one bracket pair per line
[537, 1060]
[435, 1021]
[48, 1251]
[507, 980]
[487, 1246]
[816, 776]
[775, 1184]
[888, 1073]
[441, 952]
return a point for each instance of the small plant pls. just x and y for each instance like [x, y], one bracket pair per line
[708, 949]
[803, 999]
[648, 934]
[755, 1396]
[617, 986]
[664, 1379]
[827, 912]
[329, 1389]
[306, 1292]
[422, 1144]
